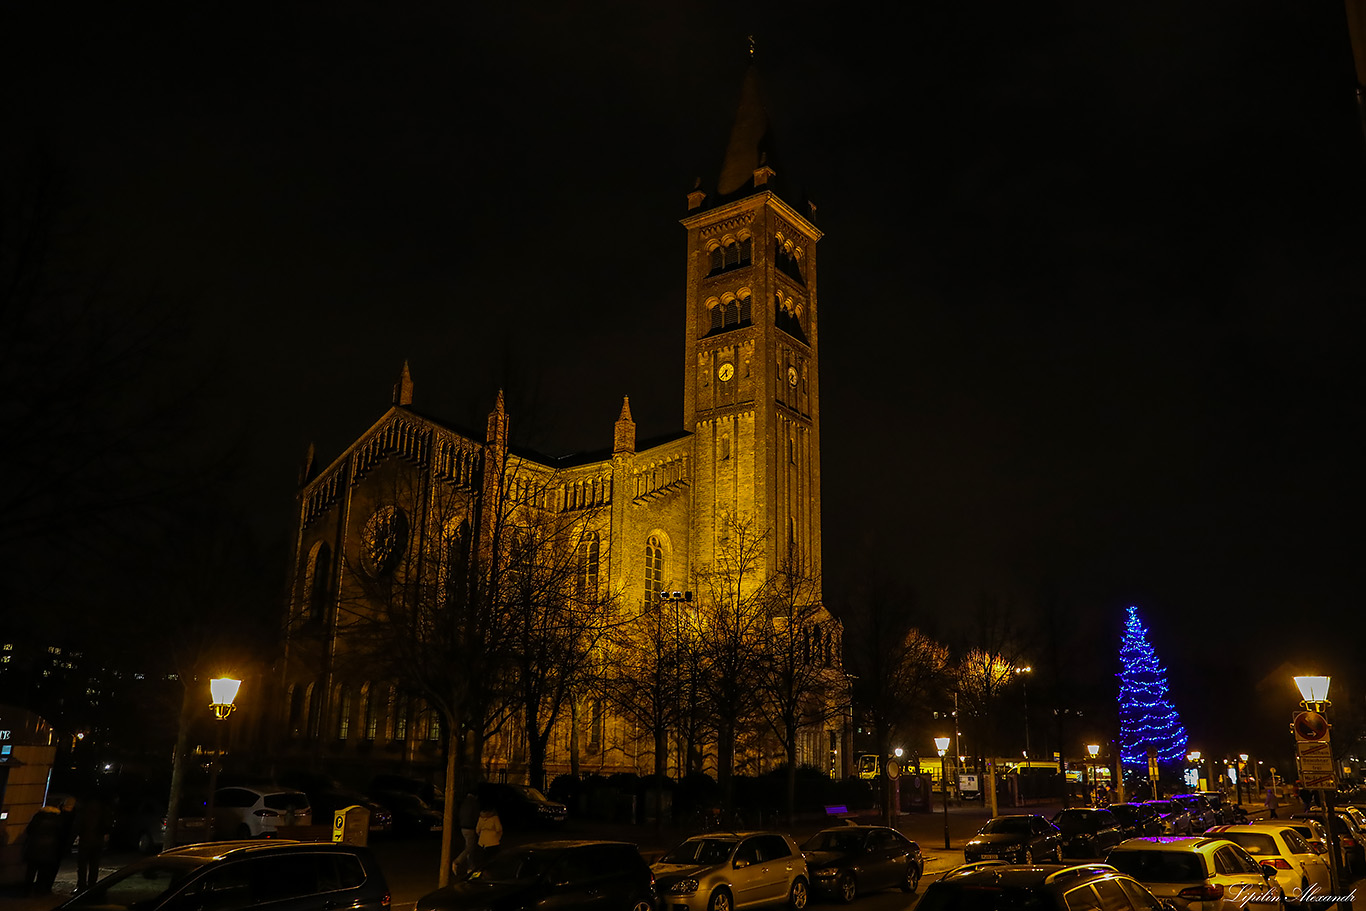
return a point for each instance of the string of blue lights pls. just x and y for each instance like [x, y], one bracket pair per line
[1147, 718]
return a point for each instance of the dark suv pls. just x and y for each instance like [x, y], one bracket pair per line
[290, 875]
[553, 874]
[992, 886]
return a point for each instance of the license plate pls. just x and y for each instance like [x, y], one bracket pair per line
[990, 856]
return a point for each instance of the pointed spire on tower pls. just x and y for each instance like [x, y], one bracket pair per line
[403, 389]
[624, 440]
[749, 139]
[306, 466]
[498, 424]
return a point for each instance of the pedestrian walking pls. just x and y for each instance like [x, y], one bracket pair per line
[43, 847]
[1271, 802]
[95, 820]
[468, 818]
[489, 833]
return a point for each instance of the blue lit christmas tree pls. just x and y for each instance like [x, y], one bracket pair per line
[1147, 719]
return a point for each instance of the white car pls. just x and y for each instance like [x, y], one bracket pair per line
[1300, 870]
[256, 811]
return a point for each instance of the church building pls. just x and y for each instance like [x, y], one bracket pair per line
[647, 525]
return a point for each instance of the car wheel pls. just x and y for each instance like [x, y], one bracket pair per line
[720, 901]
[642, 904]
[848, 887]
[1057, 854]
[1029, 855]
[797, 898]
[145, 843]
[911, 881]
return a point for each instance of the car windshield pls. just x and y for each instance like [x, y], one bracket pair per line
[1077, 821]
[139, 886]
[532, 793]
[515, 866]
[1158, 866]
[1006, 825]
[960, 897]
[700, 851]
[836, 840]
[1164, 807]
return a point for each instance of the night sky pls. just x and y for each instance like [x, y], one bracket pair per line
[1091, 285]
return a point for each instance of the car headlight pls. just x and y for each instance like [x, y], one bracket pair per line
[824, 873]
[683, 887]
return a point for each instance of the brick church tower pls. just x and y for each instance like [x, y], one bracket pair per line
[751, 379]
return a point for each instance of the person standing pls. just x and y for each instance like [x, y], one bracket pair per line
[468, 818]
[1271, 802]
[489, 832]
[43, 848]
[94, 822]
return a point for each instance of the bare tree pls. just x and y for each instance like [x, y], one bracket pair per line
[896, 668]
[799, 680]
[733, 626]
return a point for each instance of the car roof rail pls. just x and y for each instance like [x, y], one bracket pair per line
[1078, 870]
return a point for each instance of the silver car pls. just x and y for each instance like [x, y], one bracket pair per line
[723, 872]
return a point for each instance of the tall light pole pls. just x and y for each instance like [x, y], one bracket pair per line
[942, 745]
[1317, 769]
[1094, 750]
[223, 690]
[1239, 770]
[1024, 682]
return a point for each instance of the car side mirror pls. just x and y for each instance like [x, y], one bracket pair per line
[1268, 871]
[740, 863]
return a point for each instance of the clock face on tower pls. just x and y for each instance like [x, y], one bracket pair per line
[725, 372]
[791, 376]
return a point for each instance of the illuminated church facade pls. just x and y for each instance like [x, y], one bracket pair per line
[652, 517]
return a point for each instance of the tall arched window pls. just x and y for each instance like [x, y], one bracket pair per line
[654, 568]
[313, 699]
[589, 550]
[317, 570]
[370, 716]
[343, 711]
[400, 704]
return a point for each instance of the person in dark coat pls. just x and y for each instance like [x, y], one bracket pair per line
[43, 841]
[468, 819]
[95, 819]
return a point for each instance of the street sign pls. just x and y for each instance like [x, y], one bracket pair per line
[1311, 727]
[893, 768]
[1316, 765]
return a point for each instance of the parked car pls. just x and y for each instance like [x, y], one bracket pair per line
[1351, 849]
[732, 871]
[1297, 866]
[1136, 819]
[1021, 838]
[289, 875]
[994, 885]
[255, 812]
[1087, 832]
[1176, 819]
[431, 795]
[845, 861]
[327, 796]
[554, 874]
[521, 806]
[1225, 813]
[1311, 830]
[1200, 811]
[411, 814]
[140, 822]
[1197, 873]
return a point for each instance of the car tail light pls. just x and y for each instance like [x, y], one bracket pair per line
[1206, 893]
[1279, 863]
[1318, 848]
[384, 902]
[1348, 842]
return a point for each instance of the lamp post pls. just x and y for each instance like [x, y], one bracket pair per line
[898, 752]
[1238, 771]
[224, 692]
[1094, 750]
[1311, 734]
[942, 745]
[1024, 683]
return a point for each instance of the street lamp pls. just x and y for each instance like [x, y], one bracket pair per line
[942, 745]
[1094, 750]
[223, 690]
[1238, 779]
[1311, 735]
[1024, 682]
